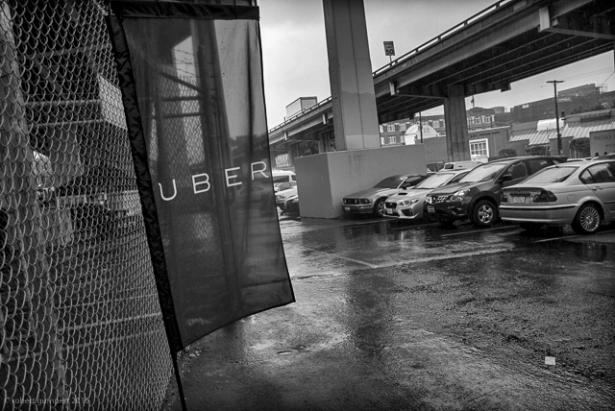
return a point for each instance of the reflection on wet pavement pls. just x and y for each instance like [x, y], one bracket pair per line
[393, 316]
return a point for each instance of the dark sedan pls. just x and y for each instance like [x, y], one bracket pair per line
[477, 195]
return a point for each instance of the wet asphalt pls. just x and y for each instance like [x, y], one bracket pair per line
[416, 316]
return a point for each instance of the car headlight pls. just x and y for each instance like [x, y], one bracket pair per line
[364, 201]
[429, 200]
[409, 202]
[459, 195]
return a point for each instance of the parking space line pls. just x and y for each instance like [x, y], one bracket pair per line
[357, 261]
[448, 256]
[545, 240]
[334, 255]
[484, 230]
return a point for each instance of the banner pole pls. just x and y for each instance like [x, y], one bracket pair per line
[146, 194]
[178, 379]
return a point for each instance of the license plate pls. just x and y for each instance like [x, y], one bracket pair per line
[519, 200]
[346, 208]
[388, 211]
[431, 209]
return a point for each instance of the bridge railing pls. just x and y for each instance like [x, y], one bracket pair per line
[442, 36]
[301, 114]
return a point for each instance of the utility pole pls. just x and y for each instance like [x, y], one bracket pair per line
[421, 126]
[559, 136]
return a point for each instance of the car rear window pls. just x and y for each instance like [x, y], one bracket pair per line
[551, 175]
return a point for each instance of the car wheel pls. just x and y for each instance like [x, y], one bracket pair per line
[587, 219]
[379, 208]
[531, 227]
[484, 213]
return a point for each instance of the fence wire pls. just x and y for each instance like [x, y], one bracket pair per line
[80, 323]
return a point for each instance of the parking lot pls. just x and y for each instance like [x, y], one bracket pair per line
[417, 316]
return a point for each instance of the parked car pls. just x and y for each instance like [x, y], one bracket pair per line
[579, 193]
[409, 204]
[461, 165]
[287, 197]
[371, 201]
[477, 195]
[283, 179]
[291, 207]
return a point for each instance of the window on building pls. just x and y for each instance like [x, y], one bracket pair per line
[391, 128]
[392, 140]
[479, 149]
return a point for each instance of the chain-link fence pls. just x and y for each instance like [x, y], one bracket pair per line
[80, 323]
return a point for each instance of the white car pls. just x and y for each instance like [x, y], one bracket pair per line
[579, 193]
[371, 201]
[409, 204]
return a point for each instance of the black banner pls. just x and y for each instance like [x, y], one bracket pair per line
[191, 79]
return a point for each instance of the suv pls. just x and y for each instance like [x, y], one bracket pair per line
[477, 195]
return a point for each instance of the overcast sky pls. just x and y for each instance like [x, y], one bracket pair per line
[295, 51]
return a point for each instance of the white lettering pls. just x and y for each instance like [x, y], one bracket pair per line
[262, 171]
[229, 177]
[174, 192]
[204, 182]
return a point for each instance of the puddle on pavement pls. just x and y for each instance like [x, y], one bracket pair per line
[591, 251]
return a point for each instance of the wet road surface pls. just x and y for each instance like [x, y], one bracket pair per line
[415, 316]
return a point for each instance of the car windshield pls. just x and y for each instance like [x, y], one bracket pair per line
[435, 180]
[390, 182]
[552, 175]
[483, 172]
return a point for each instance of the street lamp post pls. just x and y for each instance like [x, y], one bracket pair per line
[559, 136]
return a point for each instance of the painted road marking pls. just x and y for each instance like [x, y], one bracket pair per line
[546, 240]
[335, 255]
[419, 259]
[593, 237]
[448, 256]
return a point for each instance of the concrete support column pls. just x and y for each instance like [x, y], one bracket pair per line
[456, 124]
[355, 118]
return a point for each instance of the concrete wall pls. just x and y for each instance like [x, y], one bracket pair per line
[435, 149]
[519, 147]
[324, 179]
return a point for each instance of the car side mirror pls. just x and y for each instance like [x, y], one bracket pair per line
[506, 176]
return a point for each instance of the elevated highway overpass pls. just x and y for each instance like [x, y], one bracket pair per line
[506, 42]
